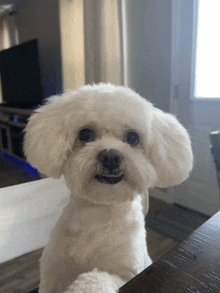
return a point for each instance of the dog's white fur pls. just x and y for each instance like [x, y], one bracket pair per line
[99, 242]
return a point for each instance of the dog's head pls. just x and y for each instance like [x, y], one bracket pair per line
[108, 142]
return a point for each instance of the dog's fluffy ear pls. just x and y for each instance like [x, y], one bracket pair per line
[170, 152]
[47, 141]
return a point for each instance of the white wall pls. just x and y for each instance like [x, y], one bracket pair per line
[149, 49]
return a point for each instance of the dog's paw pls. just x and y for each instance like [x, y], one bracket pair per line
[96, 282]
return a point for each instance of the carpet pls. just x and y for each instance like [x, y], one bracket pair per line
[177, 223]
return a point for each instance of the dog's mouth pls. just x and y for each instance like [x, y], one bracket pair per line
[110, 179]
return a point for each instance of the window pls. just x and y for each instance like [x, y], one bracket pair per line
[207, 71]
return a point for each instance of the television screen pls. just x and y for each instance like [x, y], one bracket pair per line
[20, 75]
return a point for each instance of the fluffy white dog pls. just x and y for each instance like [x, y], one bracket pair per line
[111, 145]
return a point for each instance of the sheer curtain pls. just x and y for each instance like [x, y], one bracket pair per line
[72, 44]
[90, 42]
[102, 41]
[8, 30]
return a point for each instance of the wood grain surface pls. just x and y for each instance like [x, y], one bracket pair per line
[192, 266]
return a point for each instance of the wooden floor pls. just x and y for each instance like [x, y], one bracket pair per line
[21, 275]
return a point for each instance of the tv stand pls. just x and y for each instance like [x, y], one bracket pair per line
[12, 123]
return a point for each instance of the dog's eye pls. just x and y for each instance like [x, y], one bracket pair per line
[86, 135]
[133, 138]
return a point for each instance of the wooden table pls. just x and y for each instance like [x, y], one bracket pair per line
[192, 266]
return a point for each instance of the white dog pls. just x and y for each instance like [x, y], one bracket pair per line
[111, 145]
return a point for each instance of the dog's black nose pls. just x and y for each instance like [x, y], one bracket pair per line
[111, 159]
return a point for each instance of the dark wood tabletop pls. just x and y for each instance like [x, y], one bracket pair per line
[192, 267]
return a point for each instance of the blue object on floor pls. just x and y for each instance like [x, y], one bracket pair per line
[25, 165]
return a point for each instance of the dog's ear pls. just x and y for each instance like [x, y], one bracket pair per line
[47, 141]
[170, 152]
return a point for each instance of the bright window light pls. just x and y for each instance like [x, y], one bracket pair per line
[207, 74]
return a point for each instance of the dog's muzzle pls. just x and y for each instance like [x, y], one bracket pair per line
[111, 165]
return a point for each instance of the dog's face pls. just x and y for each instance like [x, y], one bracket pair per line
[109, 143]
[108, 163]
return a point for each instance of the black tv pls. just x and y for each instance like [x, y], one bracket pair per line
[20, 76]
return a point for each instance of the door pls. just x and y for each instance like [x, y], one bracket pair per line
[160, 60]
[197, 106]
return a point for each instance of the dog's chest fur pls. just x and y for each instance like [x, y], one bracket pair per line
[109, 237]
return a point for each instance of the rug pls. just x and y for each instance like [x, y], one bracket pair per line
[177, 223]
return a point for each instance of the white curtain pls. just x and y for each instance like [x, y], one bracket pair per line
[8, 30]
[90, 42]
[72, 44]
[102, 41]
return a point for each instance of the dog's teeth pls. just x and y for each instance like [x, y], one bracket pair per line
[118, 175]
